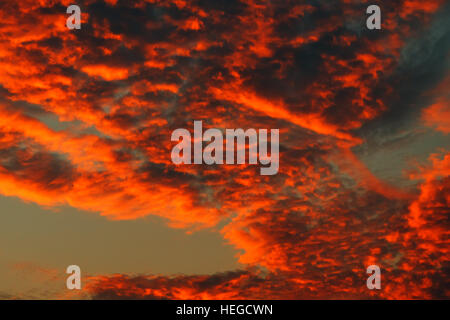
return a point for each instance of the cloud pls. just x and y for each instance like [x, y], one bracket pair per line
[86, 118]
[437, 115]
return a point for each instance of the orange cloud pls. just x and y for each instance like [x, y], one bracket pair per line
[86, 118]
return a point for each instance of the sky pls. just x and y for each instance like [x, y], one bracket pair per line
[86, 175]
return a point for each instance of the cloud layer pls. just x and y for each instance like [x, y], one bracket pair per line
[86, 118]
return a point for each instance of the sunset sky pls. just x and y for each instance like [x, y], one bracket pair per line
[86, 176]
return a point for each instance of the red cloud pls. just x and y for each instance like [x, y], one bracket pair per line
[86, 118]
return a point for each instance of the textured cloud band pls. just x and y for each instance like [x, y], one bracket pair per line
[86, 117]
